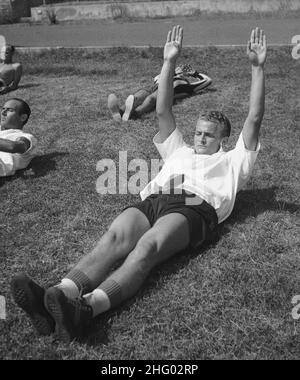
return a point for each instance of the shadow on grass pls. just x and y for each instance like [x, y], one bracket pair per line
[38, 167]
[254, 202]
[248, 203]
[42, 165]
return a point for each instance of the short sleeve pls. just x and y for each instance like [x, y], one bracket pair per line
[31, 139]
[170, 145]
[243, 160]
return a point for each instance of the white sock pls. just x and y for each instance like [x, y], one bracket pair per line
[98, 300]
[69, 288]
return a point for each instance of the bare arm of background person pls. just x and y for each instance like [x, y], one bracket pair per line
[165, 94]
[19, 146]
[257, 53]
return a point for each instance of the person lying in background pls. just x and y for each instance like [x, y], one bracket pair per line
[17, 148]
[186, 82]
[10, 73]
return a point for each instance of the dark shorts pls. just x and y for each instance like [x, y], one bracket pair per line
[202, 218]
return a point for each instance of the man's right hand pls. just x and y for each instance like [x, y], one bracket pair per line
[174, 44]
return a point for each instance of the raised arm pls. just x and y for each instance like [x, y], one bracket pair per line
[257, 53]
[165, 94]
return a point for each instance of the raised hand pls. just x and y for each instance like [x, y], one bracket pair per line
[174, 44]
[257, 47]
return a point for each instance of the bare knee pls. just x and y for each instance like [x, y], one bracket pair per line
[110, 245]
[144, 254]
[112, 238]
[152, 100]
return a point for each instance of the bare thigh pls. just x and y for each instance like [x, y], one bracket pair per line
[120, 239]
[169, 235]
[128, 228]
[140, 96]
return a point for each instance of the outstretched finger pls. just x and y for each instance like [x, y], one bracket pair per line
[169, 36]
[264, 43]
[180, 36]
[261, 34]
[177, 32]
[257, 35]
[252, 38]
[248, 47]
[173, 33]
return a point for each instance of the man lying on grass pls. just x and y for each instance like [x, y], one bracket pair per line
[10, 73]
[186, 82]
[16, 147]
[165, 222]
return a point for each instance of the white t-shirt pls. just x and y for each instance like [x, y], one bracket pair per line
[215, 178]
[10, 162]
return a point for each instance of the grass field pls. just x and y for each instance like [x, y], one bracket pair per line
[229, 300]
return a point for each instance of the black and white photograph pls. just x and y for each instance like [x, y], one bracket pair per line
[149, 183]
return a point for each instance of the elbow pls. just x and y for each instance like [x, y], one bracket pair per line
[163, 111]
[160, 112]
[256, 118]
[163, 114]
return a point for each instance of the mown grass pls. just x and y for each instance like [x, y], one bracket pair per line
[229, 300]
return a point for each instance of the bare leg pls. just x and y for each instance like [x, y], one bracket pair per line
[147, 106]
[114, 107]
[140, 96]
[52, 308]
[134, 101]
[115, 244]
[168, 236]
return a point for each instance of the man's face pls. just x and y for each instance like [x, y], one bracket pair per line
[6, 54]
[10, 115]
[207, 139]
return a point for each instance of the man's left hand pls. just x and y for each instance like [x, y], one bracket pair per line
[257, 48]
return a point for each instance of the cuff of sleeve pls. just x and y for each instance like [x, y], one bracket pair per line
[157, 141]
